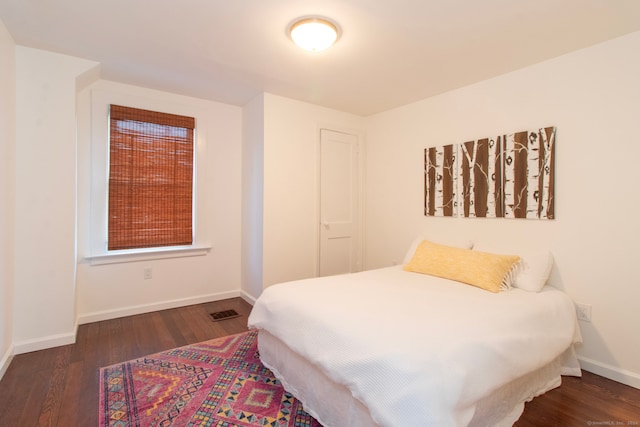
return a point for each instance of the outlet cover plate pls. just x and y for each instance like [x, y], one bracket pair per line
[583, 312]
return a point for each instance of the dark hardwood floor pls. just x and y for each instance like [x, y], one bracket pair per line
[588, 401]
[59, 386]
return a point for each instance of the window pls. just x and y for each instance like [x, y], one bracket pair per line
[98, 105]
[151, 170]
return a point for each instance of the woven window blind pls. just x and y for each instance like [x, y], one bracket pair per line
[150, 179]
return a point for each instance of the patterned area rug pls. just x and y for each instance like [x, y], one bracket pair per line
[219, 383]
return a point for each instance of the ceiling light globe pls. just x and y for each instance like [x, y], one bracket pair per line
[314, 34]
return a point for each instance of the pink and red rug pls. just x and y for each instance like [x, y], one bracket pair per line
[219, 383]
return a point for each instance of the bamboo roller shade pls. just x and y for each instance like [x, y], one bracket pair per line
[150, 179]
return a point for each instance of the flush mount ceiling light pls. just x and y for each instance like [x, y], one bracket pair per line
[313, 33]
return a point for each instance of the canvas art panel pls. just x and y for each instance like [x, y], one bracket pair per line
[440, 181]
[480, 177]
[529, 167]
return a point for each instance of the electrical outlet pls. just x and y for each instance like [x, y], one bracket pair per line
[148, 274]
[584, 312]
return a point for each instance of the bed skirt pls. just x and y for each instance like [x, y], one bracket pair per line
[333, 405]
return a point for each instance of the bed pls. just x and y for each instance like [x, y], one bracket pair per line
[391, 347]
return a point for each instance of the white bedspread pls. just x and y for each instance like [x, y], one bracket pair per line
[417, 350]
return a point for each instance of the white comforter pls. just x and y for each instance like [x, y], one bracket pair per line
[417, 350]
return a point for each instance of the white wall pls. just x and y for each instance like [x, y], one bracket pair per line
[593, 97]
[7, 201]
[53, 176]
[290, 217]
[45, 222]
[112, 290]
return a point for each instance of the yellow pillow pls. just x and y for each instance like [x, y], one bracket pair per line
[481, 269]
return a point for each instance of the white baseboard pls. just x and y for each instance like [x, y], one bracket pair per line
[613, 373]
[70, 338]
[147, 308]
[6, 360]
[44, 342]
[248, 298]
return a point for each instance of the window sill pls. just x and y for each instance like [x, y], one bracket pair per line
[117, 257]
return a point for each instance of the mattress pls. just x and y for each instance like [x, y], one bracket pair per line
[411, 349]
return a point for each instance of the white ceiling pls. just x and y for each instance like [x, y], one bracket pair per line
[391, 52]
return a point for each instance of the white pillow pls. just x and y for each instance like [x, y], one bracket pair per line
[457, 242]
[533, 270]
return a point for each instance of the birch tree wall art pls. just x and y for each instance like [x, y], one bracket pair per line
[509, 176]
[440, 181]
[529, 165]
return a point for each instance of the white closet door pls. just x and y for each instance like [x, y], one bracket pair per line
[339, 203]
